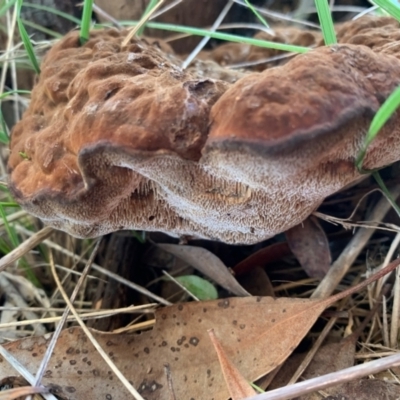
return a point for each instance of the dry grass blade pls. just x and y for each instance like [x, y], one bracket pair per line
[9, 289]
[14, 216]
[389, 256]
[26, 246]
[22, 371]
[90, 336]
[205, 39]
[8, 50]
[341, 266]
[144, 19]
[181, 286]
[312, 352]
[322, 382]
[50, 348]
[19, 392]
[83, 316]
[394, 328]
[98, 268]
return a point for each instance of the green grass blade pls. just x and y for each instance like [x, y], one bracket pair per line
[256, 13]
[12, 204]
[392, 7]
[11, 232]
[54, 11]
[28, 46]
[222, 36]
[86, 21]
[4, 8]
[10, 92]
[26, 40]
[40, 28]
[4, 137]
[149, 7]
[384, 113]
[385, 190]
[325, 19]
[140, 236]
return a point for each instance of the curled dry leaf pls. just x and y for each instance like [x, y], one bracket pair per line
[121, 138]
[309, 244]
[208, 264]
[258, 333]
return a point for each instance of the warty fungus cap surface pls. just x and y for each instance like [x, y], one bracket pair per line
[122, 138]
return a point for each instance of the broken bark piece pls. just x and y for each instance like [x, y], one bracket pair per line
[122, 138]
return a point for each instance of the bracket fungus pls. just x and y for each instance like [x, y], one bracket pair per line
[121, 138]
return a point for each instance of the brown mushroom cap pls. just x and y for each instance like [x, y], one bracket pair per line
[119, 138]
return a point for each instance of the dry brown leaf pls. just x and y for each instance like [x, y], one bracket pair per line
[262, 257]
[257, 283]
[208, 264]
[238, 387]
[259, 334]
[309, 244]
[251, 327]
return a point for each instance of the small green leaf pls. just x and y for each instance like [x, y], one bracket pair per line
[384, 113]
[325, 19]
[201, 288]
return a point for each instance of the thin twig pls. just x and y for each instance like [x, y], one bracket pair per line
[340, 267]
[144, 19]
[324, 381]
[205, 39]
[24, 247]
